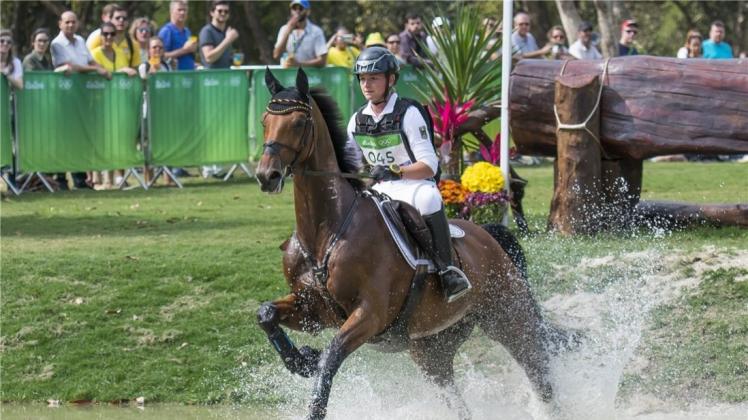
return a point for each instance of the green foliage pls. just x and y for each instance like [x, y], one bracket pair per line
[463, 69]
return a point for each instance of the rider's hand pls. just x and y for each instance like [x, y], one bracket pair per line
[381, 173]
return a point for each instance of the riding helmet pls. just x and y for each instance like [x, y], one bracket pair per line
[376, 60]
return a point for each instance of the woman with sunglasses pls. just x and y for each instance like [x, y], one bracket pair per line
[10, 65]
[39, 59]
[107, 56]
[141, 32]
[156, 62]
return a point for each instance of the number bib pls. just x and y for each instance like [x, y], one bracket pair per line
[383, 149]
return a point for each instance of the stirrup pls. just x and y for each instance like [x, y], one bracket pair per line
[464, 291]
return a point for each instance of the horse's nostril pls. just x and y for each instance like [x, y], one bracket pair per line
[274, 176]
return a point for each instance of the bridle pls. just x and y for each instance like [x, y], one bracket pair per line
[283, 107]
[279, 106]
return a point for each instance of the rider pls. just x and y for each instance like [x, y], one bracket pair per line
[395, 140]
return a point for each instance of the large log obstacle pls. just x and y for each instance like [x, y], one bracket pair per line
[650, 105]
[601, 118]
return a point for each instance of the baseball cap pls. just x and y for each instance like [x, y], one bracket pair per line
[584, 26]
[628, 23]
[303, 3]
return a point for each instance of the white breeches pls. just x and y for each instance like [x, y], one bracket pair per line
[422, 194]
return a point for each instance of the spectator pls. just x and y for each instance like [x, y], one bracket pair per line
[693, 46]
[715, 46]
[300, 42]
[10, 65]
[491, 27]
[683, 52]
[582, 48]
[393, 44]
[38, 59]
[215, 52]
[69, 54]
[93, 39]
[155, 62]
[127, 52]
[141, 31]
[629, 29]
[523, 41]
[179, 44]
[216, 38]
[358, 41]
[437, 25]
[557, 40]
[107, 56]
[111, 60]
[342, 53]
[413, 40]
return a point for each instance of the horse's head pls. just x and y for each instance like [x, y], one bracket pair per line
[288, 131]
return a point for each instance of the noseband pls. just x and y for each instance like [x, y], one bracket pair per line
[283, 107]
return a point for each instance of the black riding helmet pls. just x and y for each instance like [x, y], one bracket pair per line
[377, 60]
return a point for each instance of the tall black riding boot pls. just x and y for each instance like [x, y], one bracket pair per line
[454, 282]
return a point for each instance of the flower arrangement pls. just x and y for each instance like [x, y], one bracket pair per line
[480, 197]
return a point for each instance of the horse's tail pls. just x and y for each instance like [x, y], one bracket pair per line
[510, 244]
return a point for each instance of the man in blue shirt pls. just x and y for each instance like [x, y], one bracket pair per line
[715, 47]
[177, 38]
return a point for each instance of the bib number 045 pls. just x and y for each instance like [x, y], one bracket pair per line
[382, 158]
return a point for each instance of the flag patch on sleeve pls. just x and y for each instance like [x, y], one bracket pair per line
[424, 133]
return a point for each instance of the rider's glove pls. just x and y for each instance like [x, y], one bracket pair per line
[381, 173]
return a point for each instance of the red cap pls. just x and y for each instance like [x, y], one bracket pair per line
[629, 22]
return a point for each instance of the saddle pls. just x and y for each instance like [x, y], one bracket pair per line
[409, 232]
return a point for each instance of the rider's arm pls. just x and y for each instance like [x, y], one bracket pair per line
[351, 144]
[419, 139]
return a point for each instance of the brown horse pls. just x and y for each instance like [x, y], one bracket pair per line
[345, 272]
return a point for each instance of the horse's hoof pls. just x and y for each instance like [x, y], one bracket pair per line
[267, 317]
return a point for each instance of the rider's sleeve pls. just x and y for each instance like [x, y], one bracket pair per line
[351, 144]
[417, 131]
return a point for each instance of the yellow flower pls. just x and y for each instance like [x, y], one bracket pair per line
[483, 177]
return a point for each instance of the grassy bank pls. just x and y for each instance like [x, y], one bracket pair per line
[113, 295]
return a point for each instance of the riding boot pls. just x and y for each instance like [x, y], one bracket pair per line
[454, 282]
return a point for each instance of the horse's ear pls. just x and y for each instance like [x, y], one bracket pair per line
[302, 83]
[274, 86]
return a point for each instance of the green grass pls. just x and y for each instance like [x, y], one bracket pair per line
[113, 295]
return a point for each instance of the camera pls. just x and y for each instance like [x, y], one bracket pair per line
[347, 38]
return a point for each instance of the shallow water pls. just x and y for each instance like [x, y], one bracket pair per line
[375, 386]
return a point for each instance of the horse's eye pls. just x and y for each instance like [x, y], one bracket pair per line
[299, 123]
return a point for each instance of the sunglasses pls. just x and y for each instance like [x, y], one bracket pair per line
[631, 32]
[157, 47]
[558, 37]
[6, 41]
[222, 11]
[393, 42]
[523, 24]
[120, 18]
[107, 34]
[144, 30]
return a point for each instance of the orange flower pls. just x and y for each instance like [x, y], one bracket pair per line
[452, 191]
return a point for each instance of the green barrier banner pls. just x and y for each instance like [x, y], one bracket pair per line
[198, 118]
[6, 146]
[336, 80]
[80, 122]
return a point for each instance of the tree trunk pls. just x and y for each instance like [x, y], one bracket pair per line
[258, 34]
[650, 106]
[576, 196]
[570, 18]
[608, 29]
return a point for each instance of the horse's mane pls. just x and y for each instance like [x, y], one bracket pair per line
[348, 159]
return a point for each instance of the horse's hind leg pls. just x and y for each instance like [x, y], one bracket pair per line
[515, 321]
[435, 356]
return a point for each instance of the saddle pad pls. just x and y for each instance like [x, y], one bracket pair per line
[404, 246]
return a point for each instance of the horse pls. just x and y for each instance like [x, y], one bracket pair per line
[345, 272]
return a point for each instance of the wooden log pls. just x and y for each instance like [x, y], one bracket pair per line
[650, 106]
[576, 195]
[673, 214]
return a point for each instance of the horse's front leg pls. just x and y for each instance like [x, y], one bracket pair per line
[360, 326]
[300, 361]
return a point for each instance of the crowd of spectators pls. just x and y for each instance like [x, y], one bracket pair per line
[141, 49]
